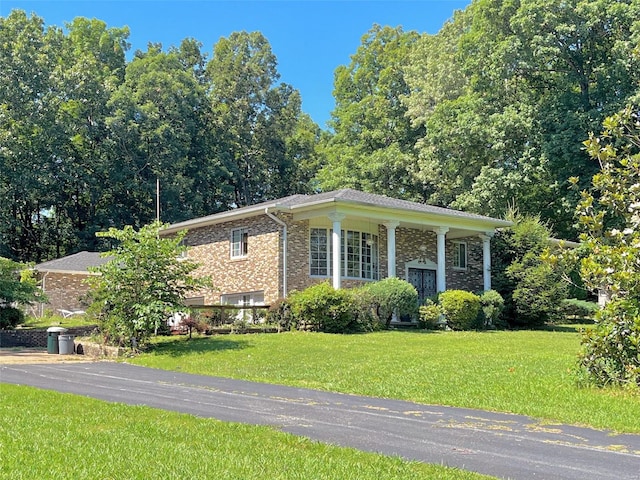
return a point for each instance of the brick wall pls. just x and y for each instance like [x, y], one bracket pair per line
[259, 271]
[412, 244]
[65, 291]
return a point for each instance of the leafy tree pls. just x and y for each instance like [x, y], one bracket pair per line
[504, 91]
[257, 122]
[143, 283]
[18, 286]
[155, 123]
[91, 68]
[371, 148]
[531, 288]
[609, 214]
[28, 134]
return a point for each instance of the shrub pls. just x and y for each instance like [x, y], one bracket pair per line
[574, 310]
[10, 317]
[461, 309]
[194, 322]
[322, 308]
[393, 295]
[363, 310]
[532, 289]
[491, 307]
[430, 315]
[280, 314]
[611, 350]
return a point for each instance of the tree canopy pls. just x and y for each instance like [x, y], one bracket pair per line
[485, 115]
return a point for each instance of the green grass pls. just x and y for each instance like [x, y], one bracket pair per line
[525, 372]
[59, 321]
[53, 435]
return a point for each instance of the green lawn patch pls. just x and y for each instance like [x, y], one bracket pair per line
[54, 435]
[525, 372]
[47, 321]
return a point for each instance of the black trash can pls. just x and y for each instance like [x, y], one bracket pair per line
[52, 339]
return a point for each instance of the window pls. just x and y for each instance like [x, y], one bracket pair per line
[243, 299]
[319, 252]
[359, 254]
[460, 255]
[239, 243]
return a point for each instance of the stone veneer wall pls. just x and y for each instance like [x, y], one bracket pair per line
[66, 291]
[259, 271]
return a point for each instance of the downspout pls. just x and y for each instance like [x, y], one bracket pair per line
[284, 249]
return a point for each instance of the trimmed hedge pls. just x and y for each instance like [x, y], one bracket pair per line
[390, 296]
[461, 309]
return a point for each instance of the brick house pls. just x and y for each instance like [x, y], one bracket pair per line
[257, 254]
[63, 281]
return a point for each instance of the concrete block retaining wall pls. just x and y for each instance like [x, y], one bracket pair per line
[36, 338]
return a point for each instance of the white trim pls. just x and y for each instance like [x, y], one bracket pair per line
[244, 251]
[284, 249]
[441, 274]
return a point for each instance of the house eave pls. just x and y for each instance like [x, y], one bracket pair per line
[221, 217]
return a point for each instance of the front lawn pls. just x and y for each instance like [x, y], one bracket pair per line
[526, 372]
[53, 435]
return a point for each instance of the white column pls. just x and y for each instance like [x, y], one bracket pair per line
[337, 218]
[486, 259]
[391, 247]
[441, 274]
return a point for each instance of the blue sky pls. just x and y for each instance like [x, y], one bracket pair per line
[309, 38]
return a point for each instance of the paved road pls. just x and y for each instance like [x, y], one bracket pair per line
[503, 445]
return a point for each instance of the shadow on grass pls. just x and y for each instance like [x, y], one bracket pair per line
[180, 346]
[567, 328]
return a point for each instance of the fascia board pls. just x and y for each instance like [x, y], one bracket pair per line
[218, 218]
[434, 219]
[66, 272]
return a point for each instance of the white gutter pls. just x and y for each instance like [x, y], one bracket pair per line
[284, 249]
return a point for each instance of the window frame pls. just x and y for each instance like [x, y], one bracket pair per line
[457, 256]
[358, 259]
[242, 243]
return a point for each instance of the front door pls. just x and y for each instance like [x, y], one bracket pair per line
[424, 281]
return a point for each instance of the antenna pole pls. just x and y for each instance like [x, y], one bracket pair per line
[158, 199]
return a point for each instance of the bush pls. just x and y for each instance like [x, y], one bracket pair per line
[491, 307]
[611, 350]
[430, 315]
[194, 321]
[574, 310]
[461, 309]
[393, 295]
[363, 310]
[323, 308]
[10, 317]
[280, 314]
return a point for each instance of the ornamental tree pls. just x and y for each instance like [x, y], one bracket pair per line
[610, 216]
[18, 286]
[144, 283]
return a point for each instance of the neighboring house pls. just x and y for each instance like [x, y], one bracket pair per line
[63, 281]
[258, 254]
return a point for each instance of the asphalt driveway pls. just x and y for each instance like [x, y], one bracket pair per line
[503, 445]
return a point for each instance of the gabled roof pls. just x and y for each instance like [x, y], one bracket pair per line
[77, 263]
[339, 198]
